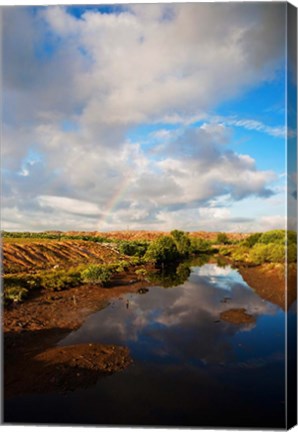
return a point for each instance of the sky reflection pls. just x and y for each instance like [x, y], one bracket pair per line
[182, 325]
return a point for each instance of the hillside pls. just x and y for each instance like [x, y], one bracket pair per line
[31, 254]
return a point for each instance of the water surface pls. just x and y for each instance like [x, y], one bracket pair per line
[190, 367]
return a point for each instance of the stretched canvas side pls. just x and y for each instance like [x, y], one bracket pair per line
[291, 316]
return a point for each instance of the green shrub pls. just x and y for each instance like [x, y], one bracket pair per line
[97, 274]
[28, 281]
[259, 254]
[222, 238]
[141, 273]
[276, 253]
[199, 245]
[251, 240]
[133, 248]
[226, 251]
[59, 280]
[182, 242]
[120, 267]
[137, 260]
[240, 253]
[15, 294]
[162, 250]
[274, 236]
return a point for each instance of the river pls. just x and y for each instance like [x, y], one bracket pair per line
[190, 366]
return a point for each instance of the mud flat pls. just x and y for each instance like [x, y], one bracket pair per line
[33, 362]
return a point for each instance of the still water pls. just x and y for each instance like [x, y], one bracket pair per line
[191, 368]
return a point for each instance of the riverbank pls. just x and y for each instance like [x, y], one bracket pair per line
[32, 330]
[269, 282]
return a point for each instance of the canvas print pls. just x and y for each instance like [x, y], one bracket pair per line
[148, 220]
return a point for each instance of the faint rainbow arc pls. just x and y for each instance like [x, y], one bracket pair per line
[114, 201]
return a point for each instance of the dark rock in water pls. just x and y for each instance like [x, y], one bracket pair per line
[225, 299]
[143, 290]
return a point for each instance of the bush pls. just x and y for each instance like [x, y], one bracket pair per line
[276, 253]
[23, 280]
[97, 274]
[259, 254]
[222, 238]
[271, 253]
[199, 245]
[274, 236]
[133, 248]
[162, 250]
[141, 273]
[14, 294]
[182, 242]
[121, 266]
[59, 280]
[240, 253]
[252, 239]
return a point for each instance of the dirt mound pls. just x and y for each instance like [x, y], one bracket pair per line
[62, 369]
[237, 316]
[30, 255]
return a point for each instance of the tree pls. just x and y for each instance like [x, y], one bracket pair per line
[162, 250]
[182, 242]
[222, 238]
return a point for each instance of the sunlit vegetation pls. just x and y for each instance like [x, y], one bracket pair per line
[15, 294]
[222, 238]
[163, 250]
[182, 242]
[270, 247]
[200, 246]
[69, 264]
[17, 287]
[97, 274]
[133, 248]
[176, 247]
[141, 273]
[54, 236]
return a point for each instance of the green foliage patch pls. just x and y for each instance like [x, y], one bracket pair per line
[97, 274]
[162, 250]
[268, 247]
[133, 248]
[222, 238]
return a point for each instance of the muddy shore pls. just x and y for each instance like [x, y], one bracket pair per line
[33, 363]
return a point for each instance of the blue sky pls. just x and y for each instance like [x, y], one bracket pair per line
[144, 116]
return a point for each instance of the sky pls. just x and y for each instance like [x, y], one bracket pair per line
[145, 116]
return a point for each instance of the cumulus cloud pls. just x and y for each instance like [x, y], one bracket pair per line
[73, 88]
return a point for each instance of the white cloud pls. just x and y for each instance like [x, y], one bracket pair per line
[106, 73]
[69, 205]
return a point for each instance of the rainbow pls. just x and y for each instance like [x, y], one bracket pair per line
[114, 201]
